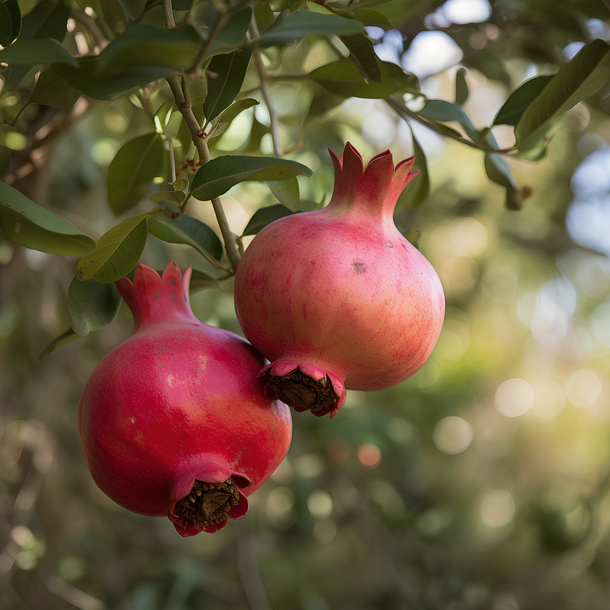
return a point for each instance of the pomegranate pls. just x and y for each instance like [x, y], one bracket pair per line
[173, 421]
[337, 298]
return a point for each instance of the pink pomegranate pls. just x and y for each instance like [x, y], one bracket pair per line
[173, 421]
[338, 298]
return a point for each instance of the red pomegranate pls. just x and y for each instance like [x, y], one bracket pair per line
[337, 298]
[173, 421]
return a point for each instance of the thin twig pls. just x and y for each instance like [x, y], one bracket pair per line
[262, 76]
[186, 110]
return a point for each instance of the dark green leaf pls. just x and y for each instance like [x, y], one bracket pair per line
[92, 305]
[461, 87]
[163, 114]
[287, 28]
[578, 80]
[201, 280]
[418, 190]
[117, 253]
[10, 22]
[175, 196]
[264, 216]
[343, 79]
[146, 45]
[133, 8]
[27, 224]
[227, 116]
[518, 101]
[363, 55]
[37, 51]
[233, 33]
[131, 171]
[264, 15]
[369, 16]
[52, 90]
[46, 20]
[228, 73]
[91, 83]
[217, 176]
[189, 231]
[60, 341]
[286, 191]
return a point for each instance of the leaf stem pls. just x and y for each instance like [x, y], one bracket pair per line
[185, 108]
[262, 76]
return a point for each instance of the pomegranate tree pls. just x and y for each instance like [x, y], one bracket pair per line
[337, 298]
[173, 421]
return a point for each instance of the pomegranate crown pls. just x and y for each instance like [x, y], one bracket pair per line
[378, 185]
[155, 298]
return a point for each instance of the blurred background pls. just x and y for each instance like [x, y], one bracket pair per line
[483, 482]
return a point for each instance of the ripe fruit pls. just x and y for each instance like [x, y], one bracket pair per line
[337, 297]
[173, 421]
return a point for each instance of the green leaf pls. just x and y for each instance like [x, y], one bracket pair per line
[218, 175]
[232, 34]
[133, 8]
[27, 224]
[197, 88]
[264, 15]
[363, 55]
[92, 305]
[227, 116]
[578, 80]
[369, 16]
[343, 79]
[146, 45]
[443, 111]
[263, 217]
[46, 20]
[162, 115]
[288, 28]
[418, 190]
[286, 191]
[180, 184]
[189, 231]
[461, 87]
[52, 90]
[201, 280]
[518, 101]
[91, 83]
[131, 171]
[229, 72]
[5, 160]
[117, 253]
[37, 51]
[175, 196]
[60, 341]
[10, 22]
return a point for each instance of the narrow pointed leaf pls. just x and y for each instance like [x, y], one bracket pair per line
[519, 100]
[131, 171]
[288, 28]
[174, 196]
[189, 231]
[60, 341]
[219, 175]
[10, 22]
[233, 33]
[52, 90]
[229, 72]
[418, 190]
[25, 223]
[265, 216]
[578, 80]
[286, 191]
[117, 253]
[343, 79]
[360, 47]
[227, 116]
[461, 87]
[201, 280]
[37, 51]
[92, 305]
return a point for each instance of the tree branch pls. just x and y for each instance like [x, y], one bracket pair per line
[185, 108]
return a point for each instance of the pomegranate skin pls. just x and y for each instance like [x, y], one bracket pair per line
[338, 297]
[179, 402]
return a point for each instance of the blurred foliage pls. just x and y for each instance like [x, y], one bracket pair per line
[480, 483]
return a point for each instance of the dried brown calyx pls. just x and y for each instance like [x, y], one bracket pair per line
[209, 503]
[303, 393]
